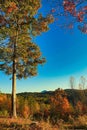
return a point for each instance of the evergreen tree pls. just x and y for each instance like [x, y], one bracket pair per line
[19, 56]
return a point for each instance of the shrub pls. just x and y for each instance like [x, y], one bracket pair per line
[4, 113]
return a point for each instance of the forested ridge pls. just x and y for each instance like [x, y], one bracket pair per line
[45, 100]
[58, 108]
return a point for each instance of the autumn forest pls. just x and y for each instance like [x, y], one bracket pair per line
[21, 21]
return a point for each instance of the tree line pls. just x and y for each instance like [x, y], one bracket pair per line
[52, 105]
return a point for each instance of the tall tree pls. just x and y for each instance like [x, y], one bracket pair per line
[19, 56]
[83, 82]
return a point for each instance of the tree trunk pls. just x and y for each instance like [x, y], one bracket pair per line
[14, 115]
[14, 92]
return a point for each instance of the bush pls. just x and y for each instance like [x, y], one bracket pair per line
[4, 113]
[81, 120]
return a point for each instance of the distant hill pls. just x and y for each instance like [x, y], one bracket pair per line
[73, 95]
[44, 91]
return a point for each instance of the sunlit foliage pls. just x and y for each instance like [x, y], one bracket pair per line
[18, 25]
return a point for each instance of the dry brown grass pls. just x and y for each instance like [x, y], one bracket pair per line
[47, 126]
[8, 121]
[21, 121]
[26, 124]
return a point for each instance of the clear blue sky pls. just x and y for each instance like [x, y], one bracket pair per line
[66, 55]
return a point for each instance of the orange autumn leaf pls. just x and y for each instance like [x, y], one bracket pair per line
[9, 10]
[12, 7]
[25, 111]
[3, 98]
[65, 105]
[13, 4]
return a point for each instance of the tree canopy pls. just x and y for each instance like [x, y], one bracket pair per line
[18, 25]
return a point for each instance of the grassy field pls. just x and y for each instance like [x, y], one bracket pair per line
[26, 124]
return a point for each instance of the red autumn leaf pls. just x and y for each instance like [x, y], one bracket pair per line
[84, 8]
[69, 6]
[80, 16]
